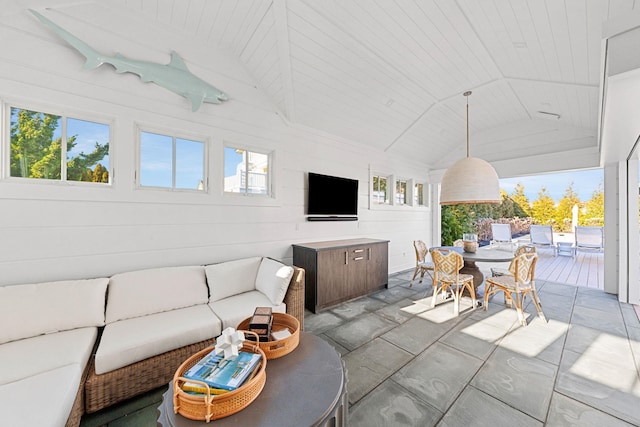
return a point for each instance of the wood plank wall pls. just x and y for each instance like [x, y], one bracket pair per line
[53, 231]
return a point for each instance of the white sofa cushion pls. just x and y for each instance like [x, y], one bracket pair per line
[36, 309]
[43, 400]
[235, 309]
[273, 279]
[44, 353]
[131, 340]
[142, 292]
[232, 277]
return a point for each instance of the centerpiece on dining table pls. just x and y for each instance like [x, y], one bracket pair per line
[470, 242]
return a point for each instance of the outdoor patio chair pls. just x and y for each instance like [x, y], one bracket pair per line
[501, 235]
[447, 277]
[517, 286]
[458, 243]
[589, 238]
[422, 265]
[542, 237]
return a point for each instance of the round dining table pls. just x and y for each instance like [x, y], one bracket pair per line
[483, 254]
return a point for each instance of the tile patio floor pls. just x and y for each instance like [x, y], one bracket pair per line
[410, 365]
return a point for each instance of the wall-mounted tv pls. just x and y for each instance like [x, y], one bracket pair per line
[332, 195]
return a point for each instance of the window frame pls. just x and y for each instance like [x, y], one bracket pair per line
[407, 192]
[270, 194]
[392, 182]
[374, 201]
[5, 143]
[174, 135]
[426, 193]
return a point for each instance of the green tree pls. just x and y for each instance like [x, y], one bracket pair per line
[35, 153]
[594, 209]
[564, 210]
[77, 166]
[521, 200]
[543, 208]
[508, 208]
[456, 220]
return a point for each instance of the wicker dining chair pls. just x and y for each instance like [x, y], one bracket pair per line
[498, 271]
[447, 277]
[422, 265]
[517, 286]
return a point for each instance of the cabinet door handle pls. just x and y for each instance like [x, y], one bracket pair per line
[357, 251]
[346, 257]
[368, 253]
[358, 258]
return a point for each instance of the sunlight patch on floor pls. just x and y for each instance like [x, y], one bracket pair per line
[537, 336]
[485, 331]
[591, 366]
[443, 311]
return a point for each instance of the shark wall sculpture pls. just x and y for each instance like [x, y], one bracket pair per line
[174, 76]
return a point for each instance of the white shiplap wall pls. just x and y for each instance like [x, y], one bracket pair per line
[52, 232]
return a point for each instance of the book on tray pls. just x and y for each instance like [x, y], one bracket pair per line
[224, 374]
[197, 388]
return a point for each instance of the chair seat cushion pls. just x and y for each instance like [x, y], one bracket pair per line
[508, 282]
[497, 271]
[235, 309]
[451, 278]
[45, 353]
[426, 265]
[131, 340]
[43, 400]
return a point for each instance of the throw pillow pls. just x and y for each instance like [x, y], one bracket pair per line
[273, 279]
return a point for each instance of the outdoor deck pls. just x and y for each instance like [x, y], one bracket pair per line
[585, 269]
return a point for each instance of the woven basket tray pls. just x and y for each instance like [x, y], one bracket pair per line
[275, 349]
[212, 407]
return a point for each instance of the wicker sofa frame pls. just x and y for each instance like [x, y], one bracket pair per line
[101, 391]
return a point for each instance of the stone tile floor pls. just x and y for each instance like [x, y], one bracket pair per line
[412, 365]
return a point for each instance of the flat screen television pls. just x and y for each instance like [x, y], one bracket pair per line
[332, 195]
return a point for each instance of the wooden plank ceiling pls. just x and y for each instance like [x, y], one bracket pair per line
[390, 74]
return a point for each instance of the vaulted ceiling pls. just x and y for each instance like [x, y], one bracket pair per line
[391, 74]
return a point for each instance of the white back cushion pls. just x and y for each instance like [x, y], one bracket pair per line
[235, 309]
[232, 277]
[142, 292]
[36, 309]
[273, 279]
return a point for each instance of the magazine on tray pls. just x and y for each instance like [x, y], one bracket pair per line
[224, 374]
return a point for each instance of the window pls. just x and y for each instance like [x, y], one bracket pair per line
[401, 192]
[418, 195]
[38, 141]
[380, 195]
[171, 162]
[246, 171]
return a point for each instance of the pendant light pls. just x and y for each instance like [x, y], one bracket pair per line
[469, 180]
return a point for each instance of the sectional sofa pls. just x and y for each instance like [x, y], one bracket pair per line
[77, 346]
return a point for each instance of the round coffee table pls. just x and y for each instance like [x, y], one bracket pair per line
[307, 387]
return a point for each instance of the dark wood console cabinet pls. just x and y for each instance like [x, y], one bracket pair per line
[340, 270]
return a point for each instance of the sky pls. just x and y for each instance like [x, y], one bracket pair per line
[584, 184]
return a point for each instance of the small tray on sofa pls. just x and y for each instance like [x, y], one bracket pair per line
[279, 348]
